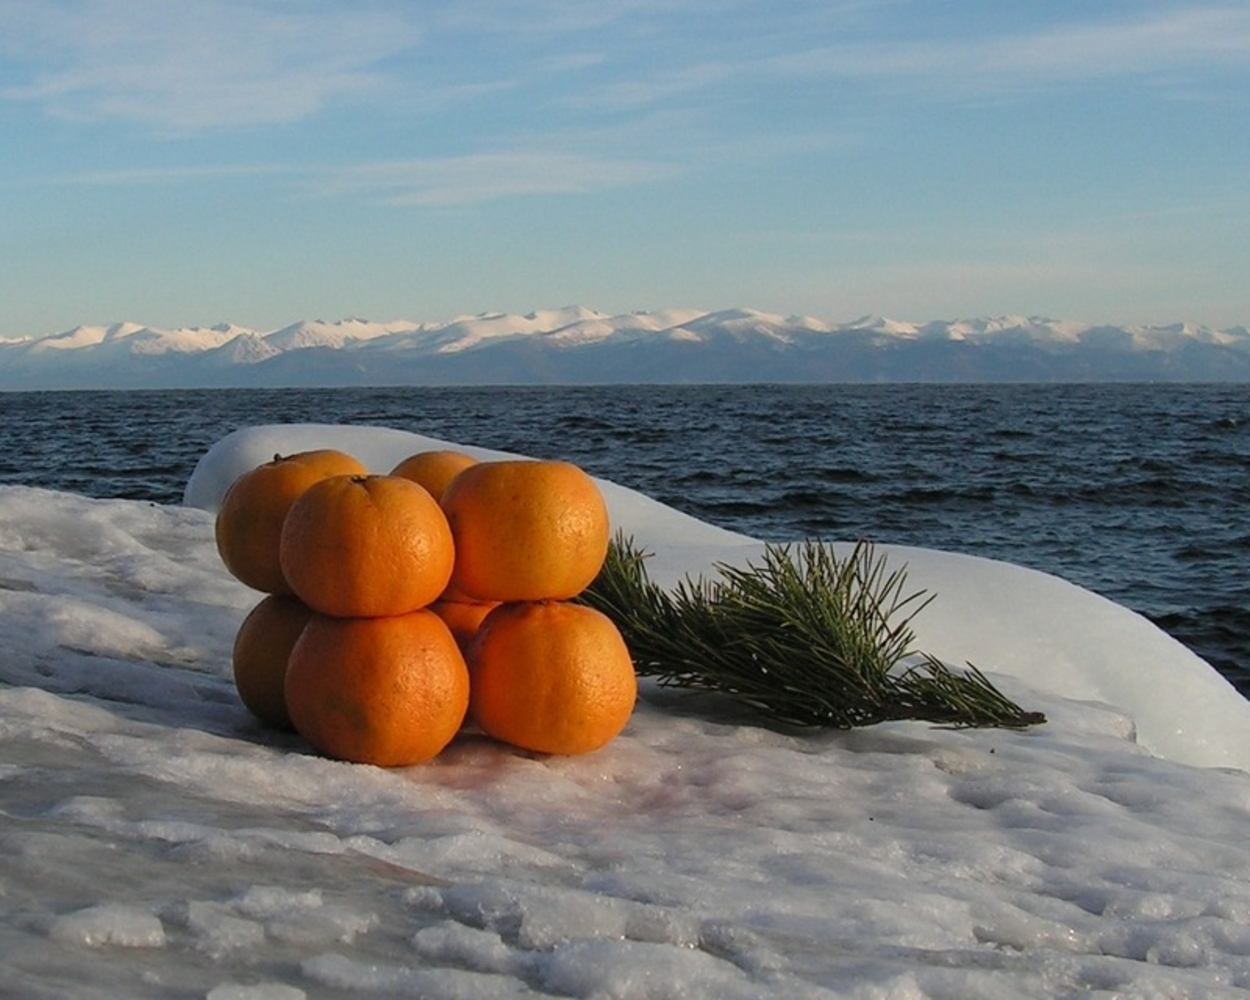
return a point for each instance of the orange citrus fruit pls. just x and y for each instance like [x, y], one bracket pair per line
[387, 691]
[262, 647]
[525, 530]
[249, 521]
[366, 546]
[434, 469]
[463, 617]
[550, 676]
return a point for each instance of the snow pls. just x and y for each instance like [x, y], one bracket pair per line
[883, 324]
[87, 336]
[587, 343]
[158, 843]
[339, 334]
[580, 323]
[745, 322]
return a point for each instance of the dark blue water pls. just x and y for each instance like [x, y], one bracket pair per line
[1140, 492]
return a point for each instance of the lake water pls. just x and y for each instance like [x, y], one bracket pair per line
[1139, 492]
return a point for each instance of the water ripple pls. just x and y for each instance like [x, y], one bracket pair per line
[1138, 492]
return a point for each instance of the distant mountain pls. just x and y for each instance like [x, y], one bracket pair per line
[575, 345]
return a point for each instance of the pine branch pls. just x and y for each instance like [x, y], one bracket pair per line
[805, 640]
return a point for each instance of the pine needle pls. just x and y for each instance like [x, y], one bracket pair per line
[803, 639]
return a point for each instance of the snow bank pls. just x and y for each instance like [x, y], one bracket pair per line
[1005, 619]
[157, 842]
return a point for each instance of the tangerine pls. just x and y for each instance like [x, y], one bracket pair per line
[434, 469]
[262, 647]
[249, 521]
[388, 691]
[550, 676]
[462, 617]
[525, 530]
[366, 546]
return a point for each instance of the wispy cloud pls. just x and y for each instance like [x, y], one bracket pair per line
[202, 65]
[199, 65]
[875, 47]
[566, 17]
[150, 176]
[1195, 38]
[431, 181]
[583, 94]
[480, 177]
[213, 64]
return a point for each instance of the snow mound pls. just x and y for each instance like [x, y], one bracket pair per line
[1051, 635]
[160, 842]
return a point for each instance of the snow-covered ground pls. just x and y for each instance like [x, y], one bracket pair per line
[155, 842]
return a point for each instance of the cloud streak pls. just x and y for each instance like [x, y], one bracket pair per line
[1179, 42]
[205, 65]
[481, 177]
[450, 181]
[1183, 38]
[201, 66]
[578, 108]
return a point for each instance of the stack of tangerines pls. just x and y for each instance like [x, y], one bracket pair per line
[401, 605]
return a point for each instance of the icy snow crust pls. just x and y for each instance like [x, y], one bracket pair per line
[158, 843]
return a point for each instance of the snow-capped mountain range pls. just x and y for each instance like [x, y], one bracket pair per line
[575, 345]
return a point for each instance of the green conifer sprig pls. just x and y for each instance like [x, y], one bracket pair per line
[803, 638]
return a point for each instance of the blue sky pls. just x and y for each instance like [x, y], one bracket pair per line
[265, 161]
